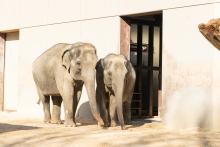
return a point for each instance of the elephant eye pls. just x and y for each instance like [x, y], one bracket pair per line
[126, 64]
[109, 64]
[76, 53]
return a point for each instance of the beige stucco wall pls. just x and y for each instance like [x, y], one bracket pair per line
[187, 56]
[191, 70]
[27, 13]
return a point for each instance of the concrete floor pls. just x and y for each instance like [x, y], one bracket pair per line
[19, 132]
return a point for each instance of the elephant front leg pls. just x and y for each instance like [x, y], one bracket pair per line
[68, 108]
[105, 112]
[102, 105]
[127, 112]
[112, 110]
[67, 95]
[57, 100]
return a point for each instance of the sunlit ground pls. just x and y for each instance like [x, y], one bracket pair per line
[32, 132]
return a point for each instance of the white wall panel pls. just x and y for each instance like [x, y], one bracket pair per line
[63, 11]
[99, 8]
[27, 13]
[104, 33]
[185, 51]
[10, 16]
[190, 63]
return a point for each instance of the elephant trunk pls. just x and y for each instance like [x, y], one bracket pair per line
[119, 90]
[90, 87]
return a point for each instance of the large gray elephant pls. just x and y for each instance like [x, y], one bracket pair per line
[61, 71]
[115, 83]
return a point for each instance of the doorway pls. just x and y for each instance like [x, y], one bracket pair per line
[11, 71]
[146, 57]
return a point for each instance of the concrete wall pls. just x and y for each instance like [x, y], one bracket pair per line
[191, 70]
[23, 13]
[187, 56]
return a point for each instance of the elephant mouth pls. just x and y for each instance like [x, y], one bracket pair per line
[109, 90]
[108, 85]
[108, 81]
[77, 75]
[78, 72]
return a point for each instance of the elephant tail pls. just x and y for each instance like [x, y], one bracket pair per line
[38, 102]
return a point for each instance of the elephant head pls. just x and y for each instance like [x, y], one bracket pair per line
[80, 61]
[115, 70]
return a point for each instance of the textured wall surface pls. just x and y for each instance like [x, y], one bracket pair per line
[190, 69]
[187, 56]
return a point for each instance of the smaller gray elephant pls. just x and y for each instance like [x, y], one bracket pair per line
[115, 83]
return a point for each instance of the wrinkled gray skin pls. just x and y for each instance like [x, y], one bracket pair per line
[115, 82]
[61, 71]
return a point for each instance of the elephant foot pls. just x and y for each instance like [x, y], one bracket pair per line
[56, 122]
[113, 124]
[128, 122]
[46, 121]
[106, 124]
[123, 127]
[70, 124]
[101, 124]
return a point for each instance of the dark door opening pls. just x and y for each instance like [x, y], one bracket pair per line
[146, 57]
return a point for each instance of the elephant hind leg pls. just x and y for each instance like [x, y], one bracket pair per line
[46, 105]
[57, 100]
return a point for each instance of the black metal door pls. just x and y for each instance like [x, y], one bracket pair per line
[146, 57]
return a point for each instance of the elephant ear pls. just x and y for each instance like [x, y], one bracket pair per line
[66, 59]
[98, 64]
[102, 63]
[127, 64]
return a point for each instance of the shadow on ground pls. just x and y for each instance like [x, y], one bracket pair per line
[4, 127]
[84, 114]
[140, 122]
